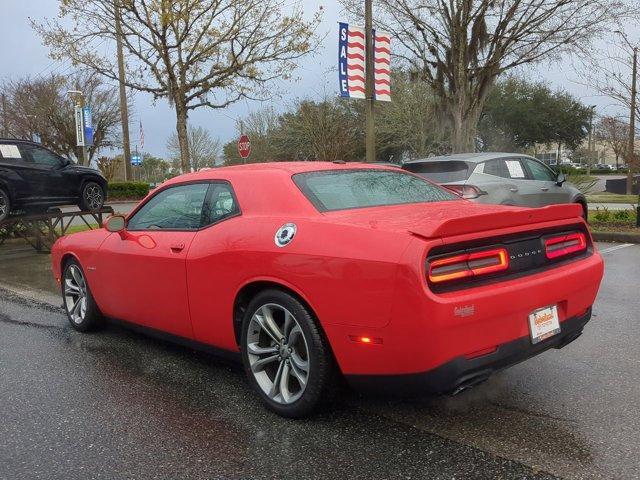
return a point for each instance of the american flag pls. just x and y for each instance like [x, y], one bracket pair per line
[141, 142]
[352, 63]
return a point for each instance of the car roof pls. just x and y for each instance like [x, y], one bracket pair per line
[282, 168]
[266, 188]
[469, 157]
[17, 140]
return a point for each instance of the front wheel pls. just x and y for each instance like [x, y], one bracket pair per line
[81, 308]
[285, 356]
[91, 197]
[5, 205]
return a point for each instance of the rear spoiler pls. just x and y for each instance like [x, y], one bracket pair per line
[497, 220]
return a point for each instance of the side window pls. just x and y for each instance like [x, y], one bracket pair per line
[515, 169]
[540, 171]
[10, 153]
[497, 168]
[176, 208]
[39, 156]
[221, 203]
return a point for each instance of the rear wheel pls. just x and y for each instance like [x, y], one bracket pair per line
[92, 197]
[5, 205]
[81, 308]
[287, 359]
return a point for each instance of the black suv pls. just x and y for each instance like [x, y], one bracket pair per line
[33, 178]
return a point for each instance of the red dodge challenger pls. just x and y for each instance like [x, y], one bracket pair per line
[313, 270]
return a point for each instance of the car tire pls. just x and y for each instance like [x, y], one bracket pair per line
[81, 309]
[275, 359]
[91, 197]
[5, 205]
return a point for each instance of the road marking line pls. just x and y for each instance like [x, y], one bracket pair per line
[617, 247]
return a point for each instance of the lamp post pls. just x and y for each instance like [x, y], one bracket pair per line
[80, 104]
[632, 121]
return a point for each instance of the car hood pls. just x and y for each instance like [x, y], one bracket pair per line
[443, 219]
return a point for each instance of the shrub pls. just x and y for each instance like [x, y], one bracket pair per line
[128, 190]
[622, 215]
[602, 214]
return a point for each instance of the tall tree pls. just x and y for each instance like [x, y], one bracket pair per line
[204, 150]
[408, 126]
[42, 107]
[519, 115]
[195, 53]
[461, 47]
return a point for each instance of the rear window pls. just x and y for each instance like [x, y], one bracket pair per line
[341, 190]
[440, 172]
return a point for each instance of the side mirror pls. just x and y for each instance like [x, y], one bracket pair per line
[561, 179]
[115, 223]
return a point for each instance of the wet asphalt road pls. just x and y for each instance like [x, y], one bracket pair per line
[121, 405]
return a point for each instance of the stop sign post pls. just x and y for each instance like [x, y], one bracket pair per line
[244, 146]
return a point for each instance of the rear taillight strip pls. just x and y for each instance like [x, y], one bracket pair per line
[563, 245]
[468, 265]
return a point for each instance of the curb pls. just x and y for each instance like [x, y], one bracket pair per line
[618, 237]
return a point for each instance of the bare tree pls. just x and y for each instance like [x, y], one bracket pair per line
[461, 47]
[42, 107]
[614, 133]
[204, 150]
[195, 53]
[609, 71]
[109, 166]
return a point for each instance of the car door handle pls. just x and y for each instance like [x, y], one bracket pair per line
[514, 189]
[545, 189]
[177, 248]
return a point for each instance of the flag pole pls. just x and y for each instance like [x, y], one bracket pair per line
[370, 83]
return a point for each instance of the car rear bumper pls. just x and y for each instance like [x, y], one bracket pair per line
[462, 373]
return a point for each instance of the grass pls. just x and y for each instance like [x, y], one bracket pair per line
[612, 198]
[605, 220]
[80, 228]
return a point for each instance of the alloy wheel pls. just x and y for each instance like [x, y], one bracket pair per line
[93, 196]
[278, 353]
[75, 294]
[4, 205]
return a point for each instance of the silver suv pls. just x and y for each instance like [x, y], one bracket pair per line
[499, 178]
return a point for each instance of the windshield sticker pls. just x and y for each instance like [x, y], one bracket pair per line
[10, 151]
[515, 169]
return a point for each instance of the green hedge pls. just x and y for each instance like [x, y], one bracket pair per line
[128, 190]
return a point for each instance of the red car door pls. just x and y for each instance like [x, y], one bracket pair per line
[142, 271]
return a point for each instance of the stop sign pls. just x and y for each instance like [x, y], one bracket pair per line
[244, 146]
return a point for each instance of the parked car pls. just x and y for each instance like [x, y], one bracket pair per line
[34, 178]
[499, 178]
[307, 271]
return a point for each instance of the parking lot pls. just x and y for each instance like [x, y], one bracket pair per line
[121, 405]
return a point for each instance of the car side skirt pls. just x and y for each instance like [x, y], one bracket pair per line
[232, 356]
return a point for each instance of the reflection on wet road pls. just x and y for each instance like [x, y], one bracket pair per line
[120, 405]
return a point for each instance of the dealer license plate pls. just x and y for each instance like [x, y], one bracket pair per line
[544, 323]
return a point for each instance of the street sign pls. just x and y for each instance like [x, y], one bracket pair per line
[79, 127]
[136, 160]
[244, 146]
[88, 126]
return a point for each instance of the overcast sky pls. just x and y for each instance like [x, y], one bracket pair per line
[21, 53]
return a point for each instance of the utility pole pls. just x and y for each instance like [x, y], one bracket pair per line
[5, 129]
[124, 108]
[370, 83]
[632, 132]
